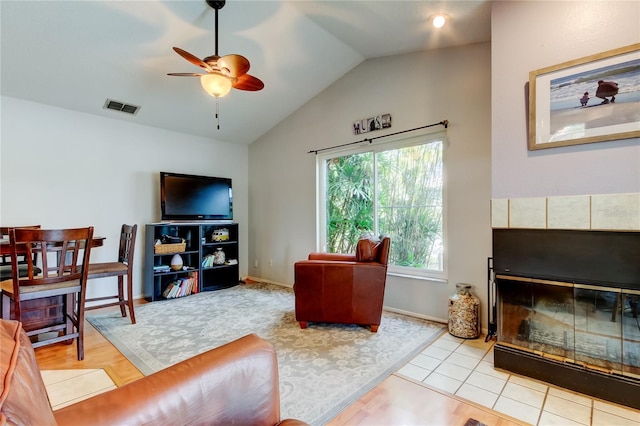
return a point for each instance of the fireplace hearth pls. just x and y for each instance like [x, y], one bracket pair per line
[567, 309]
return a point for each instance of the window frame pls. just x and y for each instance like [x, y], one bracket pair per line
[376, 147]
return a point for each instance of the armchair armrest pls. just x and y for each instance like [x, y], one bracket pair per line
[333, 257]
[236, 383]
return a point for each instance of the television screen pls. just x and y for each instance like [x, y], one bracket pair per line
[191, 197]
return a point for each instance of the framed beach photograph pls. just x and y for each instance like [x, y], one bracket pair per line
[592, 99]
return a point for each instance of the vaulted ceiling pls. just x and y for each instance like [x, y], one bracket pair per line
[78, 54]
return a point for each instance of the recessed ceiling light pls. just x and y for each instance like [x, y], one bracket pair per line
[439, 20]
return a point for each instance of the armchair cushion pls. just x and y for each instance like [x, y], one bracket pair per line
[367, 249]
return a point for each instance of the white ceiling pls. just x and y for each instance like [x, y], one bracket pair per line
[76, 54]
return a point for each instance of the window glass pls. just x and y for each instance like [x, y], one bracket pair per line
[410, 204]
[397, 190]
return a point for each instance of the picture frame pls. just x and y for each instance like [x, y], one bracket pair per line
[587, 100]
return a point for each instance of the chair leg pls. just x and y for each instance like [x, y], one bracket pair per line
[303, 324]
[80, 338]
[79, 322]
[69, 306]
[374, 328]
[6, 307]
[121, 298]
[130, 298]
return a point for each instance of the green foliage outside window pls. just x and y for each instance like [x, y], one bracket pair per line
[408, 203]
[349, 201]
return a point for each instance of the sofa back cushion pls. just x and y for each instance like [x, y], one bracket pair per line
[23, 396]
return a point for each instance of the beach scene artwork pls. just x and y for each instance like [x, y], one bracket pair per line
[591, 102]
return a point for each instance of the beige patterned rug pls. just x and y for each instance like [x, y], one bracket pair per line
[322, 369]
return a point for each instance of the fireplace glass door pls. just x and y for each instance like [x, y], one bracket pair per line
[596, 327]
[630, 333]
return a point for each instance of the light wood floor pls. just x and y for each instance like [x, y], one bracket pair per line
[396, 401]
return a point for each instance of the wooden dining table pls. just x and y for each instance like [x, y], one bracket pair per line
[41, 313]
[5, 246]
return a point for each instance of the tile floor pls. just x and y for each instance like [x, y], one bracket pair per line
[465, 368]
[66, 387]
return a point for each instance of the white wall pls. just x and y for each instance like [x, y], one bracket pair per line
[416, 89]
[61, 168]
[529, 35]
[478, 88]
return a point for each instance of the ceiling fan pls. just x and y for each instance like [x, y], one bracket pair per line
[222, 72]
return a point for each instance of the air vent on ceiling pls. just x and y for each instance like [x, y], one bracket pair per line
[121, 106]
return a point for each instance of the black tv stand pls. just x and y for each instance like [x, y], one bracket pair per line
[199, 245]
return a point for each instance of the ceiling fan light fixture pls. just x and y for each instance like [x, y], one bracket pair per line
[217, 85]
[439, 20]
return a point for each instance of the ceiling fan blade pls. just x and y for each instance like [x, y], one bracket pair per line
[236, 65]
[248, 82]
[184, 74]
[191, 58]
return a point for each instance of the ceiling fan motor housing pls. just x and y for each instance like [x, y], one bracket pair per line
[216, 4]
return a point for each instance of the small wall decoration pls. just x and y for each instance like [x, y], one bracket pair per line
[592, 99]
[373, 123]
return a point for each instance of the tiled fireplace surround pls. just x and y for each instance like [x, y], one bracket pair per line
[567, 274]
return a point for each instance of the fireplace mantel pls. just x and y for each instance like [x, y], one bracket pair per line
[589, 257]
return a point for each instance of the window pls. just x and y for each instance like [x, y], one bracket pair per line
[393, 188]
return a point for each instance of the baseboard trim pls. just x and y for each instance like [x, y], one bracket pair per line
[263, 280]
[414, 314]
[386, 308]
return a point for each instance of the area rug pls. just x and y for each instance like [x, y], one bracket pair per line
[323, 368]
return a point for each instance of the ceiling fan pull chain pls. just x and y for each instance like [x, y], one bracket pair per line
[217, 114]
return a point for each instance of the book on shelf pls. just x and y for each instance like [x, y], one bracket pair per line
[182, 286]
[161, 268]
[194, 285]
[207, 261]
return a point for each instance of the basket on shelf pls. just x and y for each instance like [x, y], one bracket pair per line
[169, 248]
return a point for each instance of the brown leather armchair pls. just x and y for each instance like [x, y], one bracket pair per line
[343, 288]
[236, 383]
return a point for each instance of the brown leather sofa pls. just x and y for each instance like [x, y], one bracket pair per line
[234, 384]
[343, 288]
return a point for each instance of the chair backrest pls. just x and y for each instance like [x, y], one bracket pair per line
[127, 243]
[64, 254]
[383, 250]
[5, 259]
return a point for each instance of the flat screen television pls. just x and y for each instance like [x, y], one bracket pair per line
[192, 197]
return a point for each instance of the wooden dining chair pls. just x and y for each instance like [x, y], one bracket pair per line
[5, 259]
[64, 259]
[123, 267]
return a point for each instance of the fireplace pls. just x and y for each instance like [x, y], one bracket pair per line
[567, 309]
